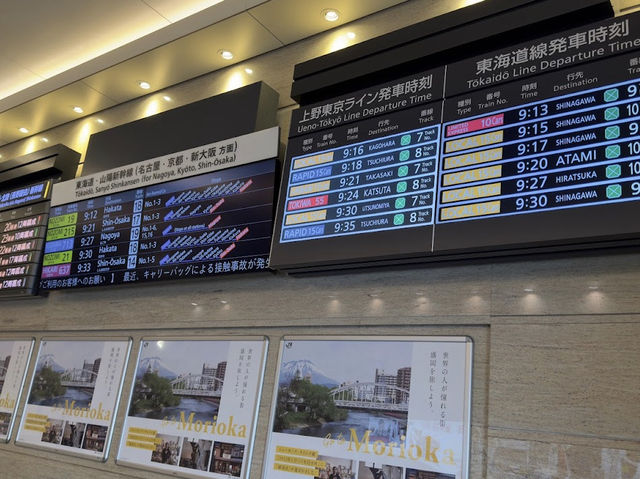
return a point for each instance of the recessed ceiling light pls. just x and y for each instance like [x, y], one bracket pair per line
[223, 301]
[194, 304]
[226, 54]
[144, 85]
[78, 109]
[22, 129]
[248, 71]
[529, 290]
[166, 98]
[46, 140]
[100, 120]
[330, 14]
[351, 35]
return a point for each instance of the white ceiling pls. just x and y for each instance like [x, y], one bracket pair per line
[57, 54]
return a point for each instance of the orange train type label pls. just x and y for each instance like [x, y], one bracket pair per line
[478, 157]
[468, 211]
[313, 160]
[309, 188]
[470, 176]
[474, 141]
[471, 192]
[308, 217]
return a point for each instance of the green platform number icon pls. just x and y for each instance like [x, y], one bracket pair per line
[613, 171]
[404, 155]
[612, 151]
[612, 94]
[401, 187]
[612, 113]
[614, 191]
[398, 219]
[403, 171]
[612, 132]
[405, 140]
[400, 203]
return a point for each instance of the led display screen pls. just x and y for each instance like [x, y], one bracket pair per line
[536, 145]
[23, 223]
[365, 189]
[212, 223]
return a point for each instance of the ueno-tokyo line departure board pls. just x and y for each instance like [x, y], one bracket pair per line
[536, 145]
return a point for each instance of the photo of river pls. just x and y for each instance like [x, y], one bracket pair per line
[81, 397]
[202, 409]
[381, 427]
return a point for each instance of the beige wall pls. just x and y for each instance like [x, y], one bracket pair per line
[556, 375]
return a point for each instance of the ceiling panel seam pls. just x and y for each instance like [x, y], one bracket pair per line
[266, 28]
[144, 1]
[98, 91]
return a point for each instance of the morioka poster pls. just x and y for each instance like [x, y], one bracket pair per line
[371, 408]
[74, 396]
[193, 407]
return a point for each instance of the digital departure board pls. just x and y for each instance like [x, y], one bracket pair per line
[381, 184]
[215, 222]
[535, 145]
[23, 222]
[551, 157]
[364, 189]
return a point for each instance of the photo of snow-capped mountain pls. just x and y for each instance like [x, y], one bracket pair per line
[304, 368]
[49, 361]
[154, 364]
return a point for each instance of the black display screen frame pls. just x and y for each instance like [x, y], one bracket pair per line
[566, 229]
[267, 168]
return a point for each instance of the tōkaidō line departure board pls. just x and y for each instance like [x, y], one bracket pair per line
[213, 217]
[536, 145]
[547, 158]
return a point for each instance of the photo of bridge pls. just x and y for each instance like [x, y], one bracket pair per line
[66, 373]
[4, 367]
[327, 388]
[6, 347]
[179, 376]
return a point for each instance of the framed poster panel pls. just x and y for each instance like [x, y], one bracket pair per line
[371, 408]
[14, 359]
[74, 396]
[193, 406]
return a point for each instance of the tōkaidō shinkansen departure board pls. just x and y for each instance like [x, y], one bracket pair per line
[213, 217]
[535, 145]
